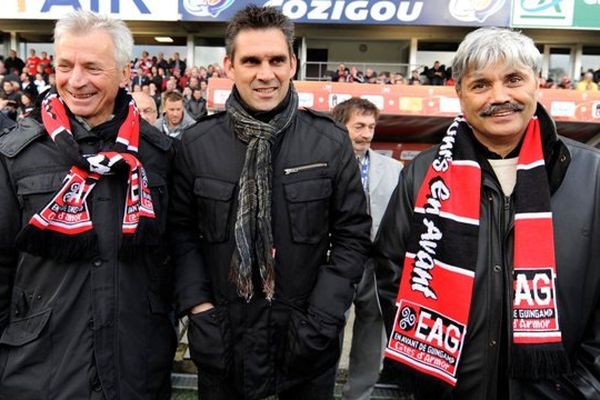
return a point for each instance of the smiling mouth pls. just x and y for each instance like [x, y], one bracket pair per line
[81, 96]
[265, 90]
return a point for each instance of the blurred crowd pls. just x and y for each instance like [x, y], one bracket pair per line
[22, 80]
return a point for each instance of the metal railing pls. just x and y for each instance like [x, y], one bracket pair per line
[323, 71]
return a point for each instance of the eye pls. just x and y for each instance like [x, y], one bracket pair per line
[515, 79]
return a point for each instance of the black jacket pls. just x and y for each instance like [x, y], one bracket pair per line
[68, 329]
[573, 173]
[318, 206]
[196, 108]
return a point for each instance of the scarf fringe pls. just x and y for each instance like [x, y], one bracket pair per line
[146, 236]
[57, 246]
[413, 383]
[539, 361]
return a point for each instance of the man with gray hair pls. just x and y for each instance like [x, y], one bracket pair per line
[84, 276]
[488, 258]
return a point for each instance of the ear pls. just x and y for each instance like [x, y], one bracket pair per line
[228, 66]
[125, 76]
[294, 64]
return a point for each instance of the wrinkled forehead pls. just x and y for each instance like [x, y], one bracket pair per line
[506, 65]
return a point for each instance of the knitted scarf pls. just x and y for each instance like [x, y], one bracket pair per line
[253, 234]
[63, 229]
[435, 292]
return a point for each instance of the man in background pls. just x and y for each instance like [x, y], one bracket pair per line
[175, 118]
[379, 176]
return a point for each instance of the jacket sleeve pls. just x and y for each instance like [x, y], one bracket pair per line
[390, 245]
[10, 225]
[192, 286]
[350, 242]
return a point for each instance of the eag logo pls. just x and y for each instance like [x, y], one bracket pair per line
[206, 8]
[473, 10]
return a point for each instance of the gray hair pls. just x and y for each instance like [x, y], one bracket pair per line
[488, 46]
[84, 22]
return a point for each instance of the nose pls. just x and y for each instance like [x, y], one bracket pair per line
[499, 94]
[265, 72]
[77, 78]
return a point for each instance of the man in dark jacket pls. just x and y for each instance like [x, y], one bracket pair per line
[84, 279]
[270, 230]
[196, 105]
[488, 256]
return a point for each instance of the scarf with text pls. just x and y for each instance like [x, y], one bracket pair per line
[63, 229]
[435, 292]
[253, 233]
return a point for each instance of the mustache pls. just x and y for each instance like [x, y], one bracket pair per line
[494, 108]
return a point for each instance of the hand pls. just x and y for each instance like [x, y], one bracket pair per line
[201, 308]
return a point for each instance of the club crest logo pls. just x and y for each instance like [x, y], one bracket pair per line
[206, 8]
[474, 10]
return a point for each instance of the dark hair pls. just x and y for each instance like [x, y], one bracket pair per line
[342, 112]
[258, 18]
[173, 96]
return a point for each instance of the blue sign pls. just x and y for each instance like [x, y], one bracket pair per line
[399, 12]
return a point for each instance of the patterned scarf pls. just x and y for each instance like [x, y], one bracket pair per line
[63, 229]
[253, 234]
[435, 292]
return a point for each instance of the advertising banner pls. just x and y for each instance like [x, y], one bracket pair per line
[398, 12]
[580, 14]
[129, 10]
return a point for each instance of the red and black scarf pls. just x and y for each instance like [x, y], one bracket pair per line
[63, 229]
[436, 287]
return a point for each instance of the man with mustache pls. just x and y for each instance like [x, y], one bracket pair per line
[379, 176]
[85, 280]
[270, 229]
[488, 259]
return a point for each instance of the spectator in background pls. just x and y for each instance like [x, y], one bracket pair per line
[587, 83]
[27, 85]
[161, 62]
[40, 83]
[155, 94]
[176, 63]
[196, 105]
[399, 79]
[436, 74]
[146, 106]
[370, 76]
[11, 91]
[140, 78]
[565, 82]
[174, 118]
[415, 78]
[32, 62]
[12, 62]
[356, 75]
[383, 78]
[340, 73]
[26, 105]
[597, 75]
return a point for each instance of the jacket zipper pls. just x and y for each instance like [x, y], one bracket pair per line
[293, 170]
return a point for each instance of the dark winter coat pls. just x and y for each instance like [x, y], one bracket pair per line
[70, 329]
[318, 205]
[574, 177]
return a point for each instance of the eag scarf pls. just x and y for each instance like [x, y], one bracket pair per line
[436, 288]
[63, 229]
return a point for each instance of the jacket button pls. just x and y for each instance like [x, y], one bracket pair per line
[497, 268]
[492, 343]
[557, 387]
[97, 263]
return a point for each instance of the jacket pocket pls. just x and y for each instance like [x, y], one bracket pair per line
[313, 346]
[35, 191]
[308, 209]
[214, 202]
[209, 337]
[25, 330]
